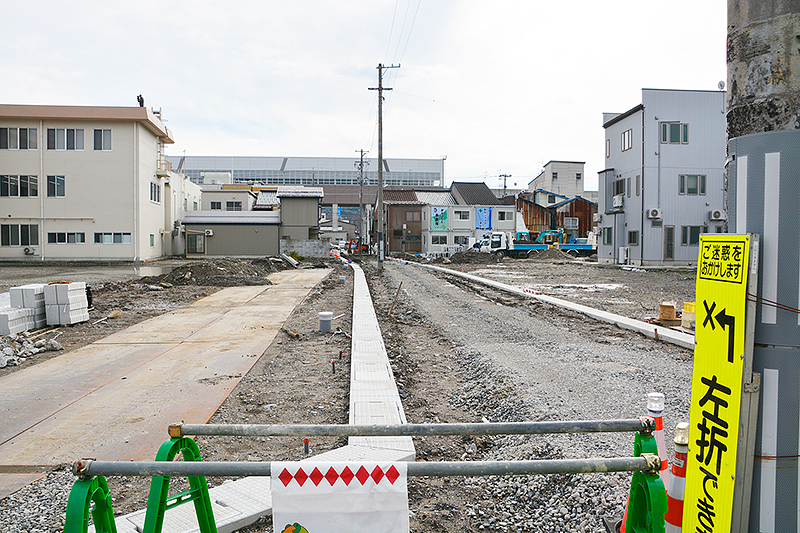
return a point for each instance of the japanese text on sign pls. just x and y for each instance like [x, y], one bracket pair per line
[716, 383]
[722, 261]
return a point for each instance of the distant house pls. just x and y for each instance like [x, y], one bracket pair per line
[441, 222]
[299, 211]
[575, 216]
[664, 177]
[228, 197]
[564, 178]
[232, 233]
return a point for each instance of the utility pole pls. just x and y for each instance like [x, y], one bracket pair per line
[380, 88]
[504, 176]
[360, 164]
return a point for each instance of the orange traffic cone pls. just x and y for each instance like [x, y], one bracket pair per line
[674, 515]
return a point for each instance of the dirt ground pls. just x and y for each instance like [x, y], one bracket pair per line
[303, 377]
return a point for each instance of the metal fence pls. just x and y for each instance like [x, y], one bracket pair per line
[90, 494]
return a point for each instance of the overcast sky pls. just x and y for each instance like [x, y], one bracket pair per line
[497, 86]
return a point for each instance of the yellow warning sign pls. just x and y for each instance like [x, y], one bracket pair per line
[721, 298]
[721, 260]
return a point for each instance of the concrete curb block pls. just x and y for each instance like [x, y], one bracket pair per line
[661, 333]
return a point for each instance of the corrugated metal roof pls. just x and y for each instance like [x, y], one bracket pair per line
[436, 198]
[232, 217]
[300, 192]
[475, 193]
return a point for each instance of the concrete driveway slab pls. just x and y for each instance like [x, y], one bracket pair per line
[114, 399]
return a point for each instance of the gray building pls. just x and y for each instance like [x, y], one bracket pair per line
[311, 171]
[664, 178]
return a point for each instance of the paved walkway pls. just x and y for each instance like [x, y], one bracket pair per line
[114, 399]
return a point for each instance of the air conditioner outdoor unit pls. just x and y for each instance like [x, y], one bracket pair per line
[617, 201]
[209, 232]
[597, 217]
[654, 213]
[718, 214]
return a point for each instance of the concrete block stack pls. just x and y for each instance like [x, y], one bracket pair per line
[30, 297]
[22, 309]
[66, 303]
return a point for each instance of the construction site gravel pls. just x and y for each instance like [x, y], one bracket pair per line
[460, 352]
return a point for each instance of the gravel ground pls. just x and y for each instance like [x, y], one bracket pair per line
[460, 353]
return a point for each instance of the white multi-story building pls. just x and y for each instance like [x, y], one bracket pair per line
[88, 183]
[564, 178]
[664, 177]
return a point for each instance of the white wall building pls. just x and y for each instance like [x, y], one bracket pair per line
[88, 183]
[663, 182]
[565, 178]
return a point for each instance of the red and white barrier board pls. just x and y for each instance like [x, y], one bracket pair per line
[339, 497]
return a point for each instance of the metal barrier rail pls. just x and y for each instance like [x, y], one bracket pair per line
[647, 463]
[644, 425]
[647, 503]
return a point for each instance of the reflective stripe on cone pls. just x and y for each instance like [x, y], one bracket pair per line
[674, 515]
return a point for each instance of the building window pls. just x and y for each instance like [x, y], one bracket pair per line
[233, 206]
[215, 206]
[412, 216]
[551, 198]
[194, 206]
[627, 140]
[462, 240]
[64, 139]
[690, 235]
[503, 215]
[607, 240]
[619, 187]
[155, 192]
[656, 223]
[19, 234]
[438, 239]
[56, 187]
[102, 140]
[19, 186]
[195, 244]
[555, 175]
[18, 139]
[66, 238]
[152, 240]
[608, 147]
[577, 175]
[638, 184]
[692, 184]
[112, 238]
[674, 133]
[461, 215]
[629, 187]
[633, 238]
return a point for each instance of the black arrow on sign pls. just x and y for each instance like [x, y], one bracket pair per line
[724, 320]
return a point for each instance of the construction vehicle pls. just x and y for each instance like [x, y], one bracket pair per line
[352, 246]
[501, 244]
